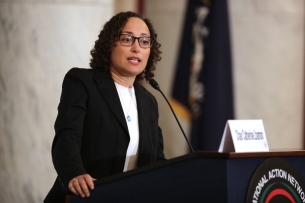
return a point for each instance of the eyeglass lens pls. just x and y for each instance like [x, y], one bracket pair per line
[128, 40]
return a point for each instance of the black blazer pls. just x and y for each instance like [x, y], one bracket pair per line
[91, 131]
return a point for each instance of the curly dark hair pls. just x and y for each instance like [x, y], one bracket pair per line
[109, 35]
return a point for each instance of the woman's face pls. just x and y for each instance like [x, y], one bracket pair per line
[129, 61]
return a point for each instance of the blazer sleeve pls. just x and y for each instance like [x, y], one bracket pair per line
[160, 152]
[69, 129]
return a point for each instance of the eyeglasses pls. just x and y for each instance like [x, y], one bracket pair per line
[128, 40]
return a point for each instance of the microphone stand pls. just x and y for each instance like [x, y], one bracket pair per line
[155, 85]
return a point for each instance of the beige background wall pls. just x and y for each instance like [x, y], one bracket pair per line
[41, 40]
[268, 55]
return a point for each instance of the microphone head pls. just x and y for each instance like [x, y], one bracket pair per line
[154, 84]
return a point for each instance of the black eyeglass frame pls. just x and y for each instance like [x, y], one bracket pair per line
[151, 39]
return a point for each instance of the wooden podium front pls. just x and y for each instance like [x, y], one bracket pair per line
[197, 177]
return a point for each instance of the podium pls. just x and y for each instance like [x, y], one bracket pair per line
[196, 177]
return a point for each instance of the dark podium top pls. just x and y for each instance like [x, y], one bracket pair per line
[196, 177]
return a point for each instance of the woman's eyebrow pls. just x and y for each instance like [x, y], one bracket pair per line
[131, 33]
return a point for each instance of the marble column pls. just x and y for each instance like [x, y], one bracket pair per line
[39, 42]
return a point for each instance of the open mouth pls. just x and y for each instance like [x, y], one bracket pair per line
[134, 59]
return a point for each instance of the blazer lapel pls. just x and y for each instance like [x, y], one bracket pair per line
[108, 90]
[143, 104]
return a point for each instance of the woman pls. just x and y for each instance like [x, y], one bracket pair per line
[107, 123]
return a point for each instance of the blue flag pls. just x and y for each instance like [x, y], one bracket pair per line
[202, 89]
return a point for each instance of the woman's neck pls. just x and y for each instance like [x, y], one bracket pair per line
[127, 82]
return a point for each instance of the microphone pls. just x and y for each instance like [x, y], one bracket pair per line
[155, 85]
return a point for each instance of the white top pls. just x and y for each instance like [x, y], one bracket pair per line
[129, 105]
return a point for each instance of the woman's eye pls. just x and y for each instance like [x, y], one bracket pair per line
[126, 39]
[145, 41]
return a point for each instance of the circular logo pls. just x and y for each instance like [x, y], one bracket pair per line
[276, 181]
